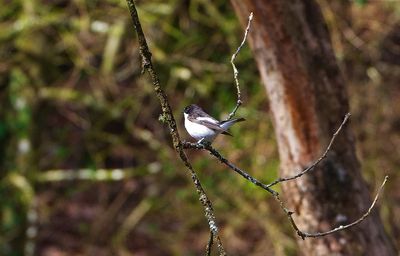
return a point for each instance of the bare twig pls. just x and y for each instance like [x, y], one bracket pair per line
[275, 194]
[209, 244]
[236, 72]
[168, 118]
[323, 156]
[304, 235]
[341, 227]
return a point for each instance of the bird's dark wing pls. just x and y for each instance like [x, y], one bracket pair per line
[209, 122]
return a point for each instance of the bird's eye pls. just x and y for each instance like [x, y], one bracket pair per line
[186, 109]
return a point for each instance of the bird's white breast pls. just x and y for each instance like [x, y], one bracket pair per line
[199, 131]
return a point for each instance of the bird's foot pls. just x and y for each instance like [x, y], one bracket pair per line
[203, 142]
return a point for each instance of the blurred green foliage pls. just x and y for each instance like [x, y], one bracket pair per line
[87, 168]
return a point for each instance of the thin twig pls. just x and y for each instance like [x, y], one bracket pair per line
[209, 244]
[236, 72]
[323, 156]
[169, 119]
[341, 227]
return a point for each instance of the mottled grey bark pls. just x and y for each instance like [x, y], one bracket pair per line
[308, 100]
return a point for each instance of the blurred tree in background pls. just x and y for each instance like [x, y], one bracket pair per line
[85, 166]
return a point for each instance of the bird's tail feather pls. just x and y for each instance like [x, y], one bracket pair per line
[228, 123]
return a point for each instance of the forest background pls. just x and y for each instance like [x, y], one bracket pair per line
[87, 168]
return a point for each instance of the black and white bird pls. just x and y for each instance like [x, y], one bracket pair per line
[204, 127]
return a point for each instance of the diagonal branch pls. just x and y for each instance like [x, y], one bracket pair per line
[225, 161]
[275, 194]
[168, 118]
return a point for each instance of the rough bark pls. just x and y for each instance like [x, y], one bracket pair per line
[308, 100]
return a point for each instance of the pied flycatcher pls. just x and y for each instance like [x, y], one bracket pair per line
[204, 127]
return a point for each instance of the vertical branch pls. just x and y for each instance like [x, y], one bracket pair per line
[209, 244]
[236, 72]
[168, 118]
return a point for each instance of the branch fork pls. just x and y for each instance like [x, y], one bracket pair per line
[275, 194]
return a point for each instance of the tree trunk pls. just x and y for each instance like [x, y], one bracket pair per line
[308, 100]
